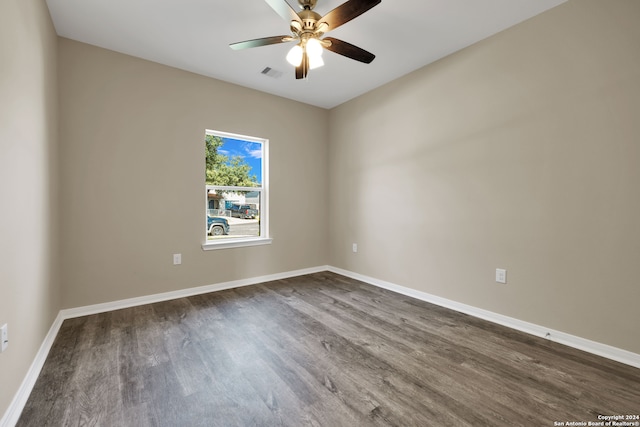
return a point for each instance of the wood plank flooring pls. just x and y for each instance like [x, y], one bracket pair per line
[316, 350]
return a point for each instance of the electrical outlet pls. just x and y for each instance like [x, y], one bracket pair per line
[177, 259]
[354, 248]
[4, 337]
[501, 275]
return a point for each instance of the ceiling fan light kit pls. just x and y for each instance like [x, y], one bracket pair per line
[294, 57]
[307, 27]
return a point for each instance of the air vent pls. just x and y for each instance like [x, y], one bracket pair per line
[268, 71]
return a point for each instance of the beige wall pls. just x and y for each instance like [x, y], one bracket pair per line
[132, 178]
[520, 152]
[29, 293]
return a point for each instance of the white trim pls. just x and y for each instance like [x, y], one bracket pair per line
[165, 296]
[230, 135]
[264, 196]
[233, 188]
[235, 243]
[12, 415]
[263, 189]
[604, 350]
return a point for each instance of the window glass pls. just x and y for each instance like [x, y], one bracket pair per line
[235, 187]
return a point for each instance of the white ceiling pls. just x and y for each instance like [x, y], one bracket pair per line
[194, 35]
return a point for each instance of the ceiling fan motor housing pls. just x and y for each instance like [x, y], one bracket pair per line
[309, 19]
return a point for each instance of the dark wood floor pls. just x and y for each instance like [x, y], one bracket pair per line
[316, 350]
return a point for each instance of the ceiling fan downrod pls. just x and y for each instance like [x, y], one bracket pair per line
[307, 4]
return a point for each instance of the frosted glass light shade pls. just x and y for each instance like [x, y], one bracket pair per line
[294, 57]
[315, 62]
[314, 48]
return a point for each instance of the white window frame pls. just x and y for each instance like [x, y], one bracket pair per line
[264, 238]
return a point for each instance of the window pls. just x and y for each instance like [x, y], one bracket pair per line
[236, 190]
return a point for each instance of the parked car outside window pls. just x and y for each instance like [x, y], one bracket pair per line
[217, 226]
[243, 211]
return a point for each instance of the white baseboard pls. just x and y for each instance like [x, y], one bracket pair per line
[12, 414]
[166, 296]
[607, 351]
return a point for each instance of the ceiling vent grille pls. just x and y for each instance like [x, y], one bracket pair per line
[268, 71]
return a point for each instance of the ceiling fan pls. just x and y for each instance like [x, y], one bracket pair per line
[307, 28]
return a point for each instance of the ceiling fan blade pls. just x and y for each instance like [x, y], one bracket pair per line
[283, 9]
[260, 42]
[347, 11]
[303, 69]
[350, 51]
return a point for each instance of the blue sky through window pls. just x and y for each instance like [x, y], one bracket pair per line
[251, 152]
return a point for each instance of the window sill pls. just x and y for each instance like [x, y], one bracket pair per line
[236, 243]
